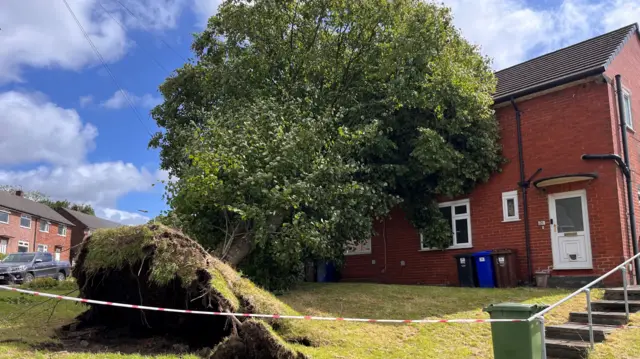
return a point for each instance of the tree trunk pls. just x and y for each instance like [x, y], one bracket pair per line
[242, 245]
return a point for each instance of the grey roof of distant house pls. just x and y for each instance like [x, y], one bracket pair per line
[587, 58]
[92, 222]
[9, 200]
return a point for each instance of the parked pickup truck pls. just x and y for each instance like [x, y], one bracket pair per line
[26, 266]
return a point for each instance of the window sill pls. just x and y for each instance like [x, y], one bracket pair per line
[511, 220]
[630, 129]
[25, 227]
[4, 222]
[446, 249]
[357, 253]
[44, 231]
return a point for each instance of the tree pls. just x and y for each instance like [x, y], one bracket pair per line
[388, 92]
[44, 199]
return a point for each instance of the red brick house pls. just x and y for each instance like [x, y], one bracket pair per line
[28, 226]
[576, 209]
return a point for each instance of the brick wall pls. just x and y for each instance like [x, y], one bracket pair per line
[557, 128]
[626, 64]
[51, 239]
[15, 232]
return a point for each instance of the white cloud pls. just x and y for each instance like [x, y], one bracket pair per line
[511, 31]
[118, 100]
[99, 184]
[85, 100]
[119, 216]
[204, 9]
[43, 34]
[34, 129]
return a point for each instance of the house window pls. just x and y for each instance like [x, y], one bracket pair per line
[44, 226]
[458, 215]
[25, 221]
[3, 245]
[42, 248]
[361, 248]
[58, 251]
[510, 206]
[4, 217]
[62, 230]
[23, 246]
[626, 103]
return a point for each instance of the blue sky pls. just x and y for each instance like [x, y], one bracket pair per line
[65, 129]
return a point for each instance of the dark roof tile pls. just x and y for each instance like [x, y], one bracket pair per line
[582, 59]
[11, 201]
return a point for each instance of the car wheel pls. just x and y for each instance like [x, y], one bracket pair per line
[28, 277]
[60, 277]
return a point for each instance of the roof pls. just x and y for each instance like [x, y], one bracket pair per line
[92, 221]
[20, 204]
[581, 60]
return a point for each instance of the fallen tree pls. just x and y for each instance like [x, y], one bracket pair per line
[157, 266]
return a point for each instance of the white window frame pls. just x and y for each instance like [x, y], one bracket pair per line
[64, 230]
[8, 216]
[360, 248]
[23, 244]
[454, 216]
[46, 227]
[44, 247]
[4, 247]
[626, 103]
[25, 216]
[506, 196]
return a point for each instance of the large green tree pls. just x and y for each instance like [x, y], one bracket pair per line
[386, 92]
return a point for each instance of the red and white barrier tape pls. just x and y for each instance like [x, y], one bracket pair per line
[268, 316]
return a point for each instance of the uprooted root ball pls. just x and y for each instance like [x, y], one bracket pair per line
[155, 266]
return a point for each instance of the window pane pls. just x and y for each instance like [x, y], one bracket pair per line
[4, 217]
[569, 214]
[511, 207]
[23, 248]
[461, 209]
[462, 231]
[627, 109]
[3, 246]
[44, 226]
[61, 230]
[446, 214]
[25, 222]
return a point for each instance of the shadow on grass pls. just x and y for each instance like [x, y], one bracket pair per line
[367, 300]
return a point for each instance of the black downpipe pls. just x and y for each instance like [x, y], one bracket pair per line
[625, 149]
[525, 186]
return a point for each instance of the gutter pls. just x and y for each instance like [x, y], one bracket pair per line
[524, 185]
[548, 85]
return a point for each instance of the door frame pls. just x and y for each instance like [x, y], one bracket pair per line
[555, 251]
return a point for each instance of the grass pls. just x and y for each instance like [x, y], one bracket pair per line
[341, 339]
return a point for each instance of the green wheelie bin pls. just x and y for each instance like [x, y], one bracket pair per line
[515, 340]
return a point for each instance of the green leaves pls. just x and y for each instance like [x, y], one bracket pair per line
[323, 114]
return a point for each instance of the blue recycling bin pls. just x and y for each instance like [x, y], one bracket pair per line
[484, 268]
[326, 271]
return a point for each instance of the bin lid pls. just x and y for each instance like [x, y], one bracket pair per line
[482, 254]
[515, 307]
[463, 255]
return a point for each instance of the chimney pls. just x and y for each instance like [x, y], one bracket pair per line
[19, 193]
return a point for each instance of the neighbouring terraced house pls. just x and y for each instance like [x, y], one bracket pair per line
[28, 226]
[576, 207]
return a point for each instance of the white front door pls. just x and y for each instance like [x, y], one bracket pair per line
[570, 241]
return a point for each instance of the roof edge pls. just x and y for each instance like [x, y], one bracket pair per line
[550, 84]
[67, 223]
[635, 30]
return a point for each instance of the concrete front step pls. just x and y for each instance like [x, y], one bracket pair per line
[633, 293]
[579, 331]
[614, 305]
[604, 318]
[567, 349]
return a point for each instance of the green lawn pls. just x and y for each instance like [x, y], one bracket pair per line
[21, 335]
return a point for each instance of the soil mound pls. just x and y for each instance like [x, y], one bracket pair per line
[156, 266]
